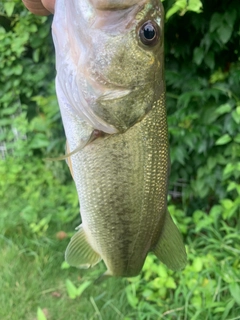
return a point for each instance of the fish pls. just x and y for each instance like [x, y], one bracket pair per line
[111, 92]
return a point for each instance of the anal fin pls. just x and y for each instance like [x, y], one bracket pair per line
[79, 252]
[170, 248]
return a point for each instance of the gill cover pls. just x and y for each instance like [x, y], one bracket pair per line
[106, 76]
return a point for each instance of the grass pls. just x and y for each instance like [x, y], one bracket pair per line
[32, 278]
[31, 255]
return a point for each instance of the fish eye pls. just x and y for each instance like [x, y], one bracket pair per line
[149, 33]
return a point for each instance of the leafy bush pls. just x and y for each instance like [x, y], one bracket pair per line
[27, 66]
[203, 87]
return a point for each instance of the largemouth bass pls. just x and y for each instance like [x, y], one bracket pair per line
[111, 92]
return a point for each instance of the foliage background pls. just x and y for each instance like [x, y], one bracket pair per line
[38, 202]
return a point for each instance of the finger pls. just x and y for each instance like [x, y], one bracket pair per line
[49, 5]
[36, 7]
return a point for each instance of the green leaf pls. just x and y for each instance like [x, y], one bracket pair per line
[228, 308]
[162, 271]
[194, 5]
[71, 289]
[131, 296]
[217, 76]
[224, 108]
[228, 170]
[170, 283]
[237, 138]
[219, 310]
[39, 141]
[209, 59]
[215, 212]
[236, 116]
[178, 154]
[184, 6]
[232, 186]
[215, 21]
[9, 7]
[178, 5]
[75, 292]
[230, 17]
[211, 163]
[10, 110]
[198, 55]
[227, 204]
[65, 265]
[36, 54]
[40, 314]
[235, 292]
[223, 140]
[224, 32]
[83, 287]
[197, 302]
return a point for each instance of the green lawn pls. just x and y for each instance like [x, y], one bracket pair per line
[32, 278]
[38, 201]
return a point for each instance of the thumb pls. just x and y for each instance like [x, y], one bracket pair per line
[38, 7]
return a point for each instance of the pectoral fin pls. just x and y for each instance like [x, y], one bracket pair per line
[82, 144]
[68, 160]
[170, 248]
[79, 252]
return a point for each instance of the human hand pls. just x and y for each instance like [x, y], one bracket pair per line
[40, 7]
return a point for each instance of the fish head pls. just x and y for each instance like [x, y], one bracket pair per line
[113, 62]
